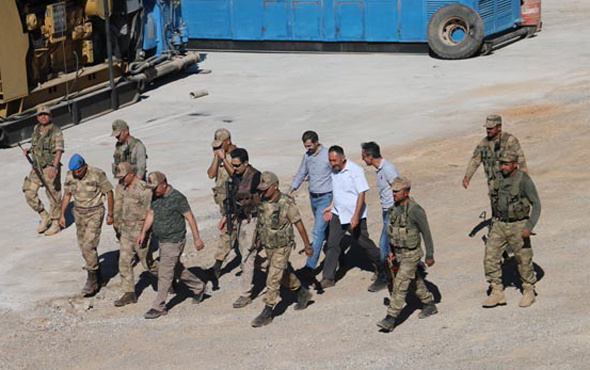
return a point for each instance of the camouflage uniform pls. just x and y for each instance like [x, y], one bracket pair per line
[275, 232]
[406, 223]
[488, 152]
[219, 195]
[45, 142]
[515, 207]
[133, 152]
[88, 196]
[131, 205]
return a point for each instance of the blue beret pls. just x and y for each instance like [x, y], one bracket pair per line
[76, 161]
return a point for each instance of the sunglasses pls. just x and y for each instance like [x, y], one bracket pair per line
[236, 165]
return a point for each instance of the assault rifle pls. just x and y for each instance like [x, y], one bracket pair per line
[38, 173]
[486, 222]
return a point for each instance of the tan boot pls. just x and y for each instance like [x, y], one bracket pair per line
[528, 295]
[45, 221]
[53, 229]
[496, 297]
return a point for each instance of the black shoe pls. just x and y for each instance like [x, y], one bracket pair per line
[154, 314]
[428, 310]
[387, 324]
[303, 298]
[264, 318]
[198, 298]
[217, 268]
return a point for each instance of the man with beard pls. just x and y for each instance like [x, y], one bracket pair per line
[406, 223]
[274, 231]
[516, 208]
[87, 186]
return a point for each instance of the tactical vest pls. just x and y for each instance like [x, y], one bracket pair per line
[274, 228]
[123, 153]
[244, 193]
[402, 233]
[519, 207]
[490, 154]
[41, 143]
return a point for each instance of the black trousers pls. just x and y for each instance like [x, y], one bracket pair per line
[360, 234]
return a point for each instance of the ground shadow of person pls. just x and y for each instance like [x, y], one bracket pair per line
[351, 256]
[288, 298]
[109, 266]
[413, 303]
[511, 277]
[182, 292]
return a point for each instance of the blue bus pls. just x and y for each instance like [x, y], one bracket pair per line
[453, 29]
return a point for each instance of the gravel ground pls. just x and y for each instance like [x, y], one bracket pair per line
[427, 116]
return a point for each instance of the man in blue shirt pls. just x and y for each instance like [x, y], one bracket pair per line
[386, 172]
[316, 168]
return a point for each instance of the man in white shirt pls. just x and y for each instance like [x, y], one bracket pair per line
[348, 213]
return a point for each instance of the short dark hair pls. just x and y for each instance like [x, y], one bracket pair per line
[310, 135]
[371, 148]
[240, 153]
[336, 149]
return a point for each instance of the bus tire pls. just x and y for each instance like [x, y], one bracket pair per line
[455, 31]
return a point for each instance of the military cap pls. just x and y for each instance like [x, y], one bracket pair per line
[76, 161]
[43, 109]
[508, 156]
[154, 179]
[221, 134]
[118, 126]
[492, 121]
[267, 179]
[122, 170]
[400, 183]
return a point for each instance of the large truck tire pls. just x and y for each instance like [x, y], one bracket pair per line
[455, 31]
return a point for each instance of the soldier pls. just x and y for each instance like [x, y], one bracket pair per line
[316, 168]
[274, 229]
[244, 185]
[88, 186]
[488, 150]
[168, 215]
[132, 200]
[407, 221]
[128, 149]
[47, 147]
[516, 208]
[221, 170]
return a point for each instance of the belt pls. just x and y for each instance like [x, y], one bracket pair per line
[317, 195]
[510, 220]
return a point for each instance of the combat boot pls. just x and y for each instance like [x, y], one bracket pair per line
[327, 283]
[379, 283]
[387, 324]
[528, 295]
[303, 298]
[217, 268]
[91, 286]
[126, 299]
[242, 301]
[53, 229]
[496, 297]
[264, 318]
[429, 309]
[44, 222]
